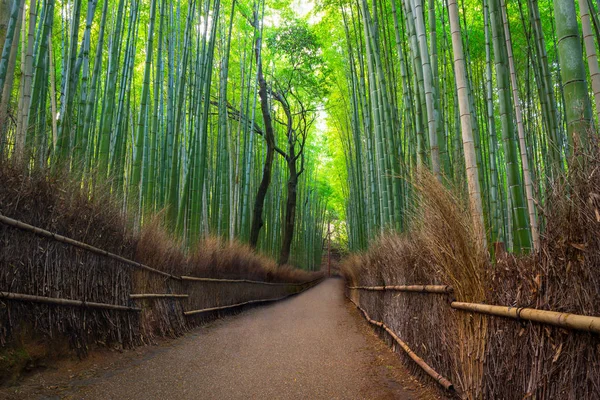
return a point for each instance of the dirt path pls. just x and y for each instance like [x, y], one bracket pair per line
[312, 346]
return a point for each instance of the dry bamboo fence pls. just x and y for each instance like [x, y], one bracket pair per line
[59, 238]
[160, 303]
[570, 321]
[564, 320]
[430, 371]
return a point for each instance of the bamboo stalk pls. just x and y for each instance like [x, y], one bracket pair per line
[564, 320]
[59, 238]
[408, 288]
[158, 296]
[64, 302]
[430, 371]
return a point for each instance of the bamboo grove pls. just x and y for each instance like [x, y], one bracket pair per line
[493, 96]
[176, 107]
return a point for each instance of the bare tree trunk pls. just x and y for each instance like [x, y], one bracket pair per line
[292, 186]
[290, 212]
[259, 203]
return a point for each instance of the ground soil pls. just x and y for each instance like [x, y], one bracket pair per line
[311, 346]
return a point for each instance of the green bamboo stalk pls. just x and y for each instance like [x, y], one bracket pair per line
[577, 103]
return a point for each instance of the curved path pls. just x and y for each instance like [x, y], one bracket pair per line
[311, 346]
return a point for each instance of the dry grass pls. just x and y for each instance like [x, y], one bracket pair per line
[213, 257]
[439, 249]
[449, 242]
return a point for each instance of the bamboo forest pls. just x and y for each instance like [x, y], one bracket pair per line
[220, 198]
[266, 121]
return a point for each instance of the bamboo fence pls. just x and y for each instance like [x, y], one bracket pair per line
[445, 383]
[585, 323]
[63, 239]
[200, 295]
[575, 322]
[59, 238]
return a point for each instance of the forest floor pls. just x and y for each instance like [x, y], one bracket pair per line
[311, 346]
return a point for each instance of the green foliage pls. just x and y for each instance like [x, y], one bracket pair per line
[164, 107]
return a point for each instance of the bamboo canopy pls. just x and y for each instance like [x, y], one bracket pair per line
[64, 302]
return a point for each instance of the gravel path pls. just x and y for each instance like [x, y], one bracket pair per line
[311, 346]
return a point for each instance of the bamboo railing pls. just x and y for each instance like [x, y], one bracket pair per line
[158, 296]
[578, 322]
[82, 303]
[195, 279]
[564, 320]
[205, 310]
[444, 289]
[64, 302]
[561, 319]
[430, 371]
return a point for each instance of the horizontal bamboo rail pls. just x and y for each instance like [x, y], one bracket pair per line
[59, 238]
[215, 280]
[205, 310]
[408, 288]
[418, 360]
[158, 296]
[63, 239]
[564, 320]
[64, 302]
